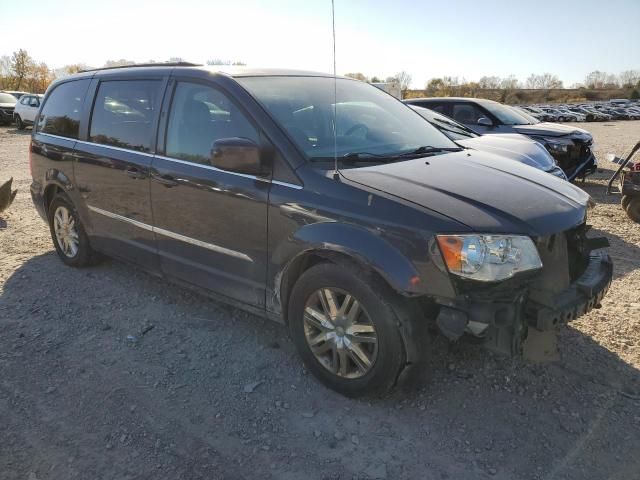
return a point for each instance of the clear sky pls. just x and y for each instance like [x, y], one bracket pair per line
[428, 39]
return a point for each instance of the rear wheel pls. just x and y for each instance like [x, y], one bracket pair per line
[68, 234]
[633, 209]
[346, 330]
[19, 123]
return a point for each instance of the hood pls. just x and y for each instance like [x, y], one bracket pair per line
[485, 192]
[548, 129]
[514, 146]
[7, 105]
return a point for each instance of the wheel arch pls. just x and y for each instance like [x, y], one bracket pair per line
[343, 244]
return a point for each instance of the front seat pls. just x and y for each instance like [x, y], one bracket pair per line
[195, 134]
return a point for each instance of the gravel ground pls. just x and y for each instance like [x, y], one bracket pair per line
[108, 373]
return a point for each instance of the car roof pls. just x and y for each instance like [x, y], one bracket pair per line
[449, 99]
[229, 70]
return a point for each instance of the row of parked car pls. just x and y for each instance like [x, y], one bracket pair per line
[562, 150]
[585, 112]
[20, 108]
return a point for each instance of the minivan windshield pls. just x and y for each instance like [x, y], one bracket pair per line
[509, 115]
[6, 98]
[370, 123]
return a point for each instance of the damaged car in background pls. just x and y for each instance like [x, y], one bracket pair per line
[320, 202]
[513, 146]
[570, 146]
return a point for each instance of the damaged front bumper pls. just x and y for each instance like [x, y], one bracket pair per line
[503, 316]
[549, 310]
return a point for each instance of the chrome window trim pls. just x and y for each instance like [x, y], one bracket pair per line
[209, 167]
[71, 139]
[120, 149]
[167, 233]
[184, 162]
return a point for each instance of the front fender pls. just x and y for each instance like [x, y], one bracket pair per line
[364, 245]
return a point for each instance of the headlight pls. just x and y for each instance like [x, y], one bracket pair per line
[488, 258]
[554, 146]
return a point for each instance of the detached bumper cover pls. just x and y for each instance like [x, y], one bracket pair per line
[581, 297]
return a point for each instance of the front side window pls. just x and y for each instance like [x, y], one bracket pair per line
[467, 113]
[199, 116]
[508, 115]
[61, 112]
[123, 113]
[25, 100]
[368, 121]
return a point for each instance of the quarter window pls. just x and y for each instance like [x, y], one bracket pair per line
[123, 113]
[199, 116]
[61, 112]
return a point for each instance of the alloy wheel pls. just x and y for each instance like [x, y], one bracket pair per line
[66, 233]
[340, 333]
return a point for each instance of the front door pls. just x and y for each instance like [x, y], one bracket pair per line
[210, 224]
[112, 169]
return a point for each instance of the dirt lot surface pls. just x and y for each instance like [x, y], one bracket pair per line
[108, 373]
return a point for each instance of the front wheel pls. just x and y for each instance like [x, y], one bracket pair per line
[68, 235]
[346, 329]
[19, 123]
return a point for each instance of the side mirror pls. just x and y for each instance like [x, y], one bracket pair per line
[485, 122]
[239, 155]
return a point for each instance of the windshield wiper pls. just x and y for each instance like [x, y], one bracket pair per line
[378, 157]
[428, 150]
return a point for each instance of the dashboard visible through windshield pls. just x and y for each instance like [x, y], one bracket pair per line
[366, 121]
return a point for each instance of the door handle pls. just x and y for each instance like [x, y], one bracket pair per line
[166, 180]
[135, 172]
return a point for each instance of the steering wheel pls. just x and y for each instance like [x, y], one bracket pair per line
[355, 128]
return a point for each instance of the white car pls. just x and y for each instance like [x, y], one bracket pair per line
[26, 110]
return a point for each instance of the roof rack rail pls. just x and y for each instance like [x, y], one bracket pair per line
[159, 64]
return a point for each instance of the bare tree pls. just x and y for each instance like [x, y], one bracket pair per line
[545, 81]
[548, 81]
[491, 82]
[74, 68]
[629, 78]
[218, 61]
[404, 79]
[357, 76]
[21, 66]
[596, 79]
[612, 81]
[118, 63]
[509, 83]
[5, 65]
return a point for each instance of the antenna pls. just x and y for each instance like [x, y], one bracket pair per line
[336, 172]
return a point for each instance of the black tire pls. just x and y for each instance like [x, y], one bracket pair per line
[625, 201]
[84, 255]
[19, 123]
[380, 305]
[633, 209]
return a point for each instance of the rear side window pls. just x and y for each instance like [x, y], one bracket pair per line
[61, 113]
[123, 113]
